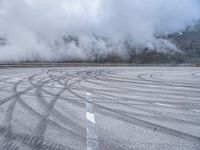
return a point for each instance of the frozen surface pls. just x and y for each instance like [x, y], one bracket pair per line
[135, 108]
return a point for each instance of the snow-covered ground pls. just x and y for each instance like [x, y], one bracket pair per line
[128, 108]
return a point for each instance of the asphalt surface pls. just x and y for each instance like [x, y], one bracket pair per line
[116, 108]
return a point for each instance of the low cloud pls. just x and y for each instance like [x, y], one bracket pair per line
[49, 30]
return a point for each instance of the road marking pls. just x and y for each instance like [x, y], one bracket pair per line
[92, 139]
[58, 86]
[166, 105]
[15, 79]
[196, 110]
[90, 117]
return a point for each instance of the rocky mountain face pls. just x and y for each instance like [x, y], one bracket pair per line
[189, 43]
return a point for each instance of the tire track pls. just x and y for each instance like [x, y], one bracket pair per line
[117, 114]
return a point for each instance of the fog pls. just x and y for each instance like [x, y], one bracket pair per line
[60, 30]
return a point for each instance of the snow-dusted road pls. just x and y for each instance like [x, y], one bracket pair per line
[135, 108]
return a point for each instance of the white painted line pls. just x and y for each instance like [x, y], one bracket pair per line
[92, 140]
[88, 94]
[196, 110]
[14, 79]
[90, 117]
[58, 86]
[165, 105]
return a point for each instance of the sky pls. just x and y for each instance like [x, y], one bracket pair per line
[34, 29]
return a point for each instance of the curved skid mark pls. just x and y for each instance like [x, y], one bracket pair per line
[110, 84]
[142, 122]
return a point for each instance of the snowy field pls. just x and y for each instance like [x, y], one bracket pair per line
[130, 108]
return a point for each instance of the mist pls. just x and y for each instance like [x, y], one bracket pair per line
[61, 30]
